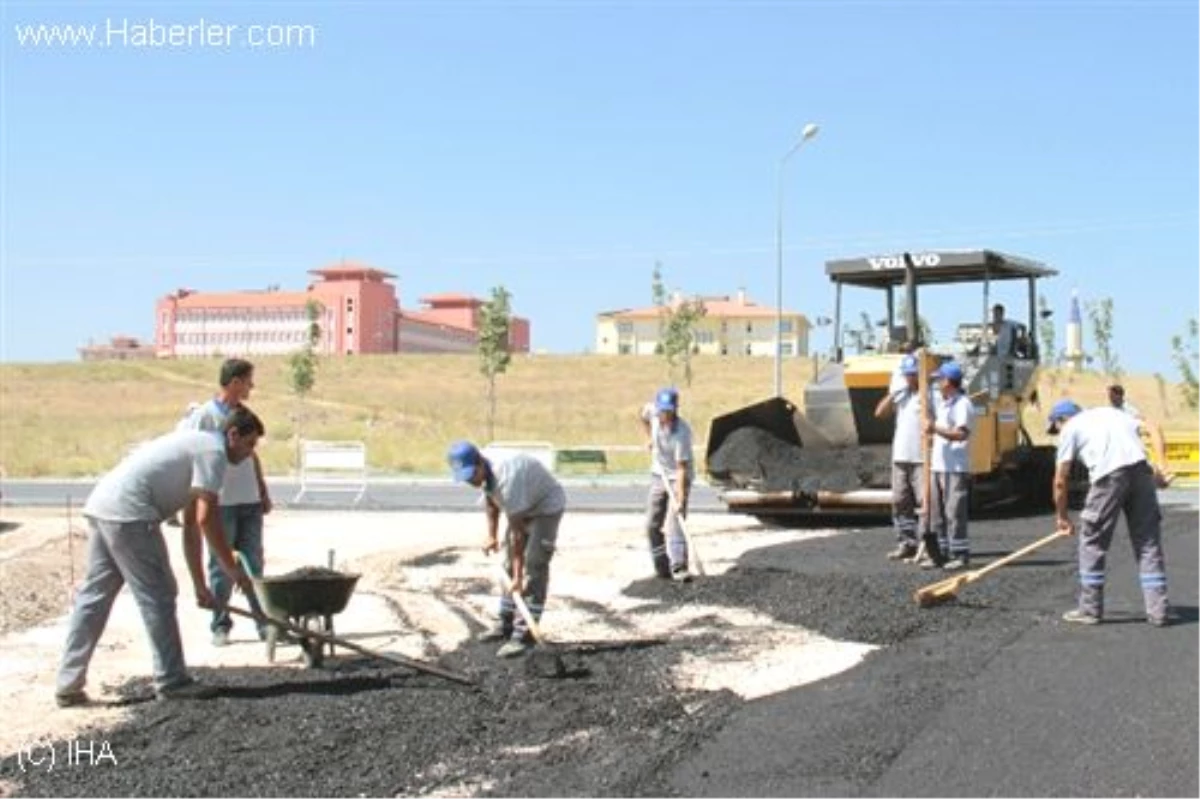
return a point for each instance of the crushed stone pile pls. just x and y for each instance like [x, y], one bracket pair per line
[754, 458]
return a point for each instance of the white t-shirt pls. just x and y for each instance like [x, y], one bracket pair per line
[906, 441]
[241, 479]
[669, 448]
[156, 480]
[1103, 439]
[953, 456]
[523, 487]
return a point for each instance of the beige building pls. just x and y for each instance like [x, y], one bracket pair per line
[730, 326]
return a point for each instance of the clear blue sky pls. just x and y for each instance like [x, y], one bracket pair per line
[561, 148]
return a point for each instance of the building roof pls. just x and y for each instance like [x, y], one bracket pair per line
[451, 298]
[950, 266]
[349, 269]
[714, 308]
[244, 299]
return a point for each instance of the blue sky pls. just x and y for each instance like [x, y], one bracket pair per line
[562, 148]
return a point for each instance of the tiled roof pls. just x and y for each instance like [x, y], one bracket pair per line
[714, 308]
[344, 268]
[451, 297]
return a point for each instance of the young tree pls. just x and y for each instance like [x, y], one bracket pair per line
[1100, 313]
[303, 367]
[1045, 328]
[495, 318]
[676, 327]
[680, 335]
[1184, 353]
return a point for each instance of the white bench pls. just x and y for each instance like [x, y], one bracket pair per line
[541, 450]
[333, 466]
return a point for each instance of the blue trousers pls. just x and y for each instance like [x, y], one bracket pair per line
[244, 534]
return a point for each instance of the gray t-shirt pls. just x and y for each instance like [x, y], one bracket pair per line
[523, 487]
[241, 480]
[669, 448]
[156, 480]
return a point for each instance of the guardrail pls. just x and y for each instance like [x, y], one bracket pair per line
[333, 466]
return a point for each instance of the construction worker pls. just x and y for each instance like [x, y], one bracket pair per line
[669, 439]
[950, 482]
[1003, 332]
[244, 497]
[904, 401]
[1116, 398]
[1108, 442]
[533, 503]
[182, 469]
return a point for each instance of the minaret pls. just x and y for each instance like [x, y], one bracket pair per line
[1074, 351]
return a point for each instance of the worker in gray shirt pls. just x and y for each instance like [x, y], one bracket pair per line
[182, 469]
[669, 439]
[533, 502]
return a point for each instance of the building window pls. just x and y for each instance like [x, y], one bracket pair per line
[724, 350]
[785, 348]
[624, 349]
[786, 326]
[749, 350]
[349, 331]
[624, 327]
[724, 326]
[749, 328]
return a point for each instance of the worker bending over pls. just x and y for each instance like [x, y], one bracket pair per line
[1108, 442]
[533, 503]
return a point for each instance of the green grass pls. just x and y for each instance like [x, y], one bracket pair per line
[78, 419]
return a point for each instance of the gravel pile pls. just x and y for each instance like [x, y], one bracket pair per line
[750, 456]
[310, 573]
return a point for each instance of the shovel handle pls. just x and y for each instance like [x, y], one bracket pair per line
[362, 650]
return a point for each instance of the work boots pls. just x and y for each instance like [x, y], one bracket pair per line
[501, 632]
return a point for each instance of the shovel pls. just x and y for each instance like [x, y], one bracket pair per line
[694, 554]
[325, 638]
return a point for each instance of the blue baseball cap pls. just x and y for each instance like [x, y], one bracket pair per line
[463, 457]
[949, 371]
[908, 365]
[1063, 409]
[667, 399]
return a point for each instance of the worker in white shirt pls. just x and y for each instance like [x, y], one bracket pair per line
[1108, 442]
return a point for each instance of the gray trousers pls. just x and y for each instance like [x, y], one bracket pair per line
[950, 507]
[541, 533]
[906, 493]
[1130, 490]
[120, 553]
[671, 552]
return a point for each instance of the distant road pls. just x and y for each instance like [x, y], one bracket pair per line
[392, 494]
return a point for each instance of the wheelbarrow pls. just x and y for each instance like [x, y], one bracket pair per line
[307, 599]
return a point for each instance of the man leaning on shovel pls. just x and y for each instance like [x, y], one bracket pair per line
[533, 503]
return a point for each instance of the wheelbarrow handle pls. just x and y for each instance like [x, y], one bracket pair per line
[362, 650]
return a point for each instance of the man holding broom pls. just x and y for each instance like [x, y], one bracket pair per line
[533, 503]
[1108, 442]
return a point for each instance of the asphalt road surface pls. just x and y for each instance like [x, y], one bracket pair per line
[604, 495]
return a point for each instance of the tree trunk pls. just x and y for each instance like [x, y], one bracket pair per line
[491, 414]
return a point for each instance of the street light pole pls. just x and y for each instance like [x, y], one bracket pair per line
[809, 131]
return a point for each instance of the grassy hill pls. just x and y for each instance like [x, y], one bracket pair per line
[78, 419]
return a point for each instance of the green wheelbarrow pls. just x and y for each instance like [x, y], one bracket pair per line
[307, 599]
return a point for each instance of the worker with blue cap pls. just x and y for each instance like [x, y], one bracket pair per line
[950, 472]
[533, 502]
[669, 439]
[1108, 442]
[903, 400]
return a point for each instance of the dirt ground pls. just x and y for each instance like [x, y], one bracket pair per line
[426, 590]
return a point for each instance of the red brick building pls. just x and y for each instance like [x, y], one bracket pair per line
[359, 312]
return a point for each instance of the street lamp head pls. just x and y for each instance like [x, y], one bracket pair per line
[809, 131]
